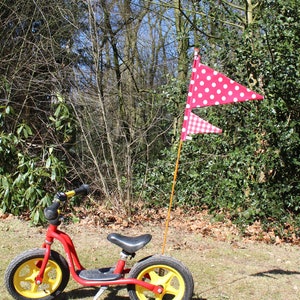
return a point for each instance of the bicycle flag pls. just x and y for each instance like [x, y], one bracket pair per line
[198, 125]
[209, 87]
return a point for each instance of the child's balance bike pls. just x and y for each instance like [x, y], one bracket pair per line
[44, 273]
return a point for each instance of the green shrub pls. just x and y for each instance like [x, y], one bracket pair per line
[28, 172]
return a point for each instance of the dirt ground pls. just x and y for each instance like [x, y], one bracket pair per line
[224, 265]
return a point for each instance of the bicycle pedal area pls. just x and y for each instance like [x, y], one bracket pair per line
[102, 274]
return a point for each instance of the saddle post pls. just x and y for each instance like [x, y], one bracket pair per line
[121, 262]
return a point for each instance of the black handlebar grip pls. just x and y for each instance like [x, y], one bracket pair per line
[83, 189]
[51, 212]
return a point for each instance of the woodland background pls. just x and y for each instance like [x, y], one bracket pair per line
[94, 91]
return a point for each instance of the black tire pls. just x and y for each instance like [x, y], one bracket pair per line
[166, 271]
[21, 272]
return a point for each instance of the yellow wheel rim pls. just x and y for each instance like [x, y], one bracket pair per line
[24, 279]
[165, 276]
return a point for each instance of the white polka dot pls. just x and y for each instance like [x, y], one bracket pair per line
[248, 90]
[225, 86]
[215, 72]
[197, 76]
[242, 94]
[194, 70]
[183, 129]
[208, 77]
[206, 90]
[201, 83]
[190, 94]
[223, 98]
[220, 79]
[230, 93]
[200, 95]
[219, 91]
[187, 105]
[213, 84]
[212, 97]
[194, 100]
[235, 99]
[186, 117]
[253, 96]
[203, 71]
[231, 81]
[205, 102]
[236, 87]
[217, 103]
[198, 105]
[192, 81]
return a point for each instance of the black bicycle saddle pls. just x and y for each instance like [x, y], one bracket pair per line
[128, 243]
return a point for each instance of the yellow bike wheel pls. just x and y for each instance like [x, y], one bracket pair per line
[163, 271]
[22, 271]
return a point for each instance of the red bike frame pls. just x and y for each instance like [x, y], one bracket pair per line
[75, 265]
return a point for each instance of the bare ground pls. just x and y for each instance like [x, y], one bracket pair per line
[224, 265]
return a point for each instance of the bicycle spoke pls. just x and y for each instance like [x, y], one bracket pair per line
[34, 288]
[171, 290]
[153, 276]
[167, 278]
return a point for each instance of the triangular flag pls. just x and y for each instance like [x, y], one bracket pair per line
[198, 125]
[209, 87]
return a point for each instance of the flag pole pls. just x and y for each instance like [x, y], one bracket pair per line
[196, 50]
[171, 198]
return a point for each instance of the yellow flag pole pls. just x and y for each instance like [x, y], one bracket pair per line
[171, 198]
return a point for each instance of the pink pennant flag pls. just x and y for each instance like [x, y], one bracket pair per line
[209, 87]
[198, 125]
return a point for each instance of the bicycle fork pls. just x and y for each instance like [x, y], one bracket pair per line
[42, 264]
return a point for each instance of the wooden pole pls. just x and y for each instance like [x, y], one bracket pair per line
[171, 198]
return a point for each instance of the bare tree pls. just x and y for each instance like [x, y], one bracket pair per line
[119, 117]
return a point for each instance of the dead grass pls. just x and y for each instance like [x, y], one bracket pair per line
[229, 269]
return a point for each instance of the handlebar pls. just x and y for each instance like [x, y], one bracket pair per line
[51, 212]
[83, 190]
